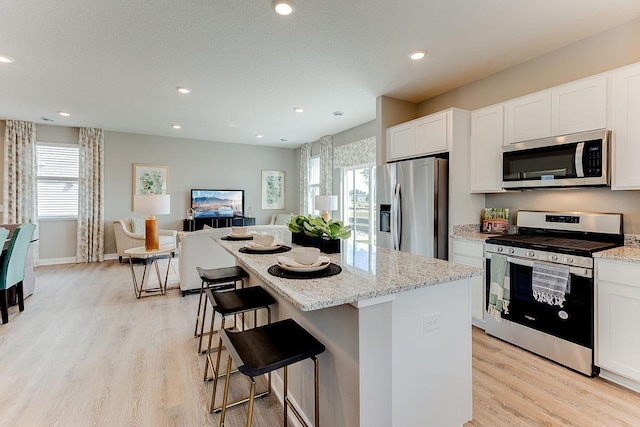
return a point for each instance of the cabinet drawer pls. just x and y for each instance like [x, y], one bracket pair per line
[625, 273]
[470, 249]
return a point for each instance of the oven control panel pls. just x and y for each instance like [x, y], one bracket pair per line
[538, 255]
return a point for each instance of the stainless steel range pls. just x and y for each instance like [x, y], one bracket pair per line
[550, 283]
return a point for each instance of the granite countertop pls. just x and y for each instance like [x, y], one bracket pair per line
[367, 272]
[473, 235]
[622, 253]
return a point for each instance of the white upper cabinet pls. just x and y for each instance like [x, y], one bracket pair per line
[431, 134]
[487, 137]
[401, 141]
[626, 129]
[528, 117]
[579, 106]
[419, 137]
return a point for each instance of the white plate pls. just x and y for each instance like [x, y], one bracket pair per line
[262, 248]
[304, 269]
[240, 236]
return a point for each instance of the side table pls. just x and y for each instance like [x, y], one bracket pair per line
[142, 253]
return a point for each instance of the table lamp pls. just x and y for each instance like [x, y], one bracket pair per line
[151, 204]
[326, 204]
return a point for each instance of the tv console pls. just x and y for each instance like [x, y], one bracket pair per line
[199, 223]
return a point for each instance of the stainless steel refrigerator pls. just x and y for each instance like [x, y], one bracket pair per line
[413, 211]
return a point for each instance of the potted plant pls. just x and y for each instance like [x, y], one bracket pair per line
[316, 232]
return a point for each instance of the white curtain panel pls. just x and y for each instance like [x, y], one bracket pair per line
[305, 155]
[357, 153]
[90, 234]
[19, 188]
[326, 165]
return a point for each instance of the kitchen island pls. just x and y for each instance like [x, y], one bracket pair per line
[397, 331]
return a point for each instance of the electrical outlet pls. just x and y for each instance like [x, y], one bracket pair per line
[430, 322]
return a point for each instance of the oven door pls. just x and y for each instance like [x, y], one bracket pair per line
[573, 322]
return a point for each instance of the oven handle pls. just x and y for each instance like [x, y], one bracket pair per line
[576, 271]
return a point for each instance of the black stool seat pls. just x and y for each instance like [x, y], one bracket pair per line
[264, 349]
[240, 300]
[218, 279]
[267, 348]
[214, 276]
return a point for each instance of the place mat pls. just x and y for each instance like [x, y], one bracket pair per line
[279, 250]
[236, 238]
[331, 270]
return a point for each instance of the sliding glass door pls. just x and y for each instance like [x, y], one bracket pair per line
[358, 202]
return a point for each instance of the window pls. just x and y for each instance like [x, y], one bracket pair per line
[314, 182]
[358, 201]
[57, 186]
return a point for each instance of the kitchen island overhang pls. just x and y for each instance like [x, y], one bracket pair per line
[397, 328]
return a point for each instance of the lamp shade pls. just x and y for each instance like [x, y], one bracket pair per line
[152, 204]
[326, 203]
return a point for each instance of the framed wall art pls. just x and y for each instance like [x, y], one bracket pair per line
[149, 179]
[273, 185]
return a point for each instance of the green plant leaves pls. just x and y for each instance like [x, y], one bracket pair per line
[318, 227]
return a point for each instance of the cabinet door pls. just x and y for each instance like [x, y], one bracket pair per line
[487, 137]
[618, 308]
[401, 141]
[579, 106]
[431, 134]
[472, 254]
[529, 117]
[626, 129]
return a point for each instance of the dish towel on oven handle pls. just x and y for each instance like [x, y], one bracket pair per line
[499, 287]
[550, 283]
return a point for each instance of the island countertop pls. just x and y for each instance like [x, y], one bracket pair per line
[367, 272]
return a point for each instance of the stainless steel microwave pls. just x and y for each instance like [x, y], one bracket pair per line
[579, 159]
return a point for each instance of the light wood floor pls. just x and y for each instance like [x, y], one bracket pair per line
[86, 352]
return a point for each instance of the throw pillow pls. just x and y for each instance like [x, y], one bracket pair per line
[137, 225]
[205, 226]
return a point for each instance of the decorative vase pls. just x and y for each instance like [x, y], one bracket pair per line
[328, 246]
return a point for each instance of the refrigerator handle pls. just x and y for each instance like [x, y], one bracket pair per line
[396, 218]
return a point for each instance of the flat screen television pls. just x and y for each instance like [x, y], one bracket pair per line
[217, 203]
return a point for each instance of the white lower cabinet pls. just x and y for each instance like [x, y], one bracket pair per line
[469, 252]
[618, 317]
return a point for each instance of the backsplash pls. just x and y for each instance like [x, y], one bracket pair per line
[632, 240]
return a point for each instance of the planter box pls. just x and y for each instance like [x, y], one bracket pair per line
[328, 246]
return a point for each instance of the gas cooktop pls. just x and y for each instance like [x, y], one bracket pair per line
[552, 243]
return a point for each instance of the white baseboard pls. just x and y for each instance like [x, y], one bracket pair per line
[620, 380]
[70, 260]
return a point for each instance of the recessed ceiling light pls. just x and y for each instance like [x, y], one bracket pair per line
[5, 59]
[232, 125]
[417, 54]
[298, 109]
[176, 126]
[64, 113]
[183, 90]
[259, 135]
[282, 7]
[338, 113]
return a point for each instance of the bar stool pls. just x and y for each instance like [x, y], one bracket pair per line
[260, 350]
[231, 303]
[217, 279]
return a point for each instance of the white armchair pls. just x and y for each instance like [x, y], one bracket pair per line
[127, 239]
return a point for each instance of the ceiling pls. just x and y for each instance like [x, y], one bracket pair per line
[116, 64]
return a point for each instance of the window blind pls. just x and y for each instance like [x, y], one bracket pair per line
[57, 185]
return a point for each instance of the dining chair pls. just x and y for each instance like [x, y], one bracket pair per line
[12, 269]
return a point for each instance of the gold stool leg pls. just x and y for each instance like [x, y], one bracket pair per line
[207, 361]
[285, 398]
[317, 391]
[225, 395]
[204, 316]
[252, 393]
[195, 331]
[215, 372]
